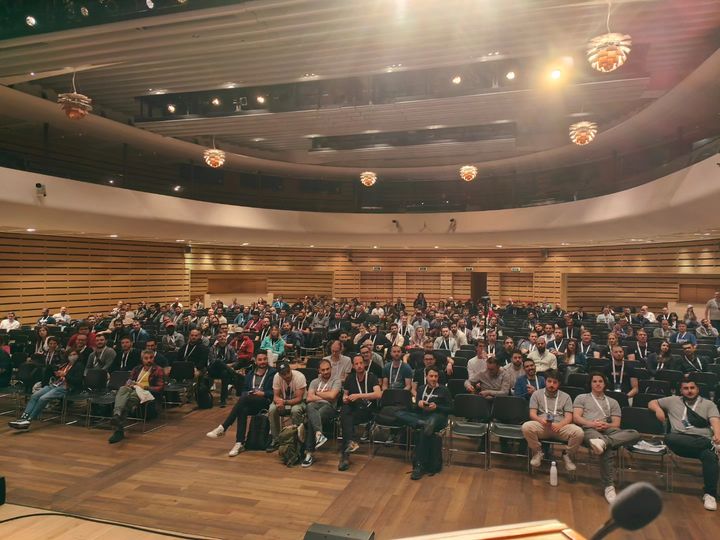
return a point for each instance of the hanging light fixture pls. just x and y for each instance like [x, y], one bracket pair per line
[368, 178]
[214, 157]
[468, 172]
[609, 51]
[583, 132]
[76, 106]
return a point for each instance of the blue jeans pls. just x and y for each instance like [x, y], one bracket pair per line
[39, 400]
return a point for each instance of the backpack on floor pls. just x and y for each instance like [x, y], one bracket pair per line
[203, 396]
[289, 446]
[258, 436]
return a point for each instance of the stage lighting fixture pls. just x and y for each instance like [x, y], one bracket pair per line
[555, 74]
[171, 108]
[30, 21]
[216, 101]
[510, 75]
[457, 79]
[84, 11]
[260, 99]
[150, 4]
[177, 189]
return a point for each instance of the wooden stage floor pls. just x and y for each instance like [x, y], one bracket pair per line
[177, 479]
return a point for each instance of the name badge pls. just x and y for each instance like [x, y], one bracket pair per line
[608, 419]
[618, 387]
[550, 417]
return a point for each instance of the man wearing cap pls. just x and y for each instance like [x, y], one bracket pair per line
[289, 387]
[172, 340]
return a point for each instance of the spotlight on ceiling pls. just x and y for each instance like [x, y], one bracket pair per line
[177, 189]
[260, 99]
[30, 21]
[150, 4]
[84, 11]
[216, 101]
[457, 79]
[171, 108]
[555, 74]
[510, 75]
[30, 230]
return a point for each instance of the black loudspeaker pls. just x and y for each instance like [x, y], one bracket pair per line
[318, 531]
[2, 490]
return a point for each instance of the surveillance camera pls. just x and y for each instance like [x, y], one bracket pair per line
[40, 190]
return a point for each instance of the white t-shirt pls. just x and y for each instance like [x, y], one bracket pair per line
[288, 391]
[7, 325]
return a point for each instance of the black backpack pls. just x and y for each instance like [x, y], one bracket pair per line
[203, 396]
[258, 436]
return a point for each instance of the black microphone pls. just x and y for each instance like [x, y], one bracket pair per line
[635, 506]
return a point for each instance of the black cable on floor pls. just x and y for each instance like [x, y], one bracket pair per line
[107, 522]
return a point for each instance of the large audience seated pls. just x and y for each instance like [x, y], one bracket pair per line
[323, 368]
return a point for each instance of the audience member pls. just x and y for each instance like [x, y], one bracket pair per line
[289, 388]
[321, 407]
[528, 383]
[544, 359]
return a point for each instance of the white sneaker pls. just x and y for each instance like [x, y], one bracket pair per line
[537, 458]
[216, 433]
[239, 447]
[709, 502]
[569, 465]
[597, 446]
[320, 439]
[610, 494]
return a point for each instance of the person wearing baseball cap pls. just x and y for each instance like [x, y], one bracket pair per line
[172, 340]
[289, 388]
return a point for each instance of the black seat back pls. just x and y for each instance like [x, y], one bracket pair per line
[642, 420]
[510, 410]
[472, 407]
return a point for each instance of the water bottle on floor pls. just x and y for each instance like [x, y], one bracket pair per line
[553, 474]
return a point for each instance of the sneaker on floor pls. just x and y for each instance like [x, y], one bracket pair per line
[569, 465]
[23, 423]
[116, 422]
[223, 404]
[344, 464]
[272, 446]
[320, 439]
[116, 437]
[352, 447]
[308, 461]
[216, 433]
[597, 446]
[301, 433]
[236, 449]
[610, 494]
[417, 473]
[709, 502]
[537, 459]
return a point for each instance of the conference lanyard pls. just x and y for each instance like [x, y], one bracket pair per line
[607, 404]
[262, 380]
[642, 354]
[366, 382]
[614, 373]
[49, 357]
[446, 344]
[392, 381]
[546, 404]
[426, 396]
[124, 360]
[693, 365]
[325, 387]
[188, 353]
[681, 337]
[585, 350]
[684, 418]
[537, 382]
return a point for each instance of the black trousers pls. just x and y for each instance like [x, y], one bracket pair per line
[227, 376]
[246, 406]
[699, 447]
[352, 414]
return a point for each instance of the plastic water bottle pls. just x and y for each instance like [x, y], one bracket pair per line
[553, 474]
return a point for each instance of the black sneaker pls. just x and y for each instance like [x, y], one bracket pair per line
[223, 404]
[344, 464]
[23, 423]
[308, 461]
[116, 437]
[417, 473]
[116, 422]
[272, 446]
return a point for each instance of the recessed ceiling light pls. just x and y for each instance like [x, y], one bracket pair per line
[371, 131]
[171, 108]
[150, 4]
[230, 85]
[30, 230]
[32, 73]
[457, 79]
[215, 101]
[437, 247]
[555, 74]
[435, 126]
[498, 245]
[258, 139]
[113, 236]
[179, 240]
[312, 245]
[245, 243]
[30, 21]
[260, 99]
[111, 181]
[706, 234]
[84, 11]
[312, 135]
[177, 188]
[374, 247]
[564, 244]
[510, 75]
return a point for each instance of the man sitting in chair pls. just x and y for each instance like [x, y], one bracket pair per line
[146, 380]
[599, 416]
[551, 416]
[67, 376]
[694, 432]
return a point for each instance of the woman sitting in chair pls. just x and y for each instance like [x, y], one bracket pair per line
[433, 405]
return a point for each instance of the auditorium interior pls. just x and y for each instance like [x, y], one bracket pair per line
[338, 193]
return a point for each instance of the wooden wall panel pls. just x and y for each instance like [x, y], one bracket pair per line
[290, 285]
[92, 274]
[593, 291]
[376, 286]
[86, 275]
[517, 286]
[461, 285]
